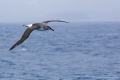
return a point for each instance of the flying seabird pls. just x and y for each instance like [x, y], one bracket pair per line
[35, 26]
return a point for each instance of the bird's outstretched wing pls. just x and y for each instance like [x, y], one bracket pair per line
[24, 36]
[54, 21]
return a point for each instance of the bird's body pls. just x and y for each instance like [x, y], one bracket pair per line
[42, 26]
[36, 26]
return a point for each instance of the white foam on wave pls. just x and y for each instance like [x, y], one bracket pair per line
[23, 49]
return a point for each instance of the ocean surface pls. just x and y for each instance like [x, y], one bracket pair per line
[74, 51]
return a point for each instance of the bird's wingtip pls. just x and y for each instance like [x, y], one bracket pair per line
[13, 47]
[67, 22]
[10, 49]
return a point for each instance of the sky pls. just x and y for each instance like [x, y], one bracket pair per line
[39, 10]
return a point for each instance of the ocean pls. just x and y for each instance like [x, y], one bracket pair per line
[74, 51]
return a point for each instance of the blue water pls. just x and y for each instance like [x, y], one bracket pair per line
[75, 51]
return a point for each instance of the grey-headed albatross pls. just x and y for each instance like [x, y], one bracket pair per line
[35, 26]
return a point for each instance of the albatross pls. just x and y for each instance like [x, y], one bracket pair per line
[43, 26]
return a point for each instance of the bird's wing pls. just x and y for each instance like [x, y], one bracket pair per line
[54, 21]
[24, 36]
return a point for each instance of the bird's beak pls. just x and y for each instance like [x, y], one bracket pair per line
[52, 29]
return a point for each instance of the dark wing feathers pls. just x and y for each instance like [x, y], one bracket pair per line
[24, 36]
[54, 21]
